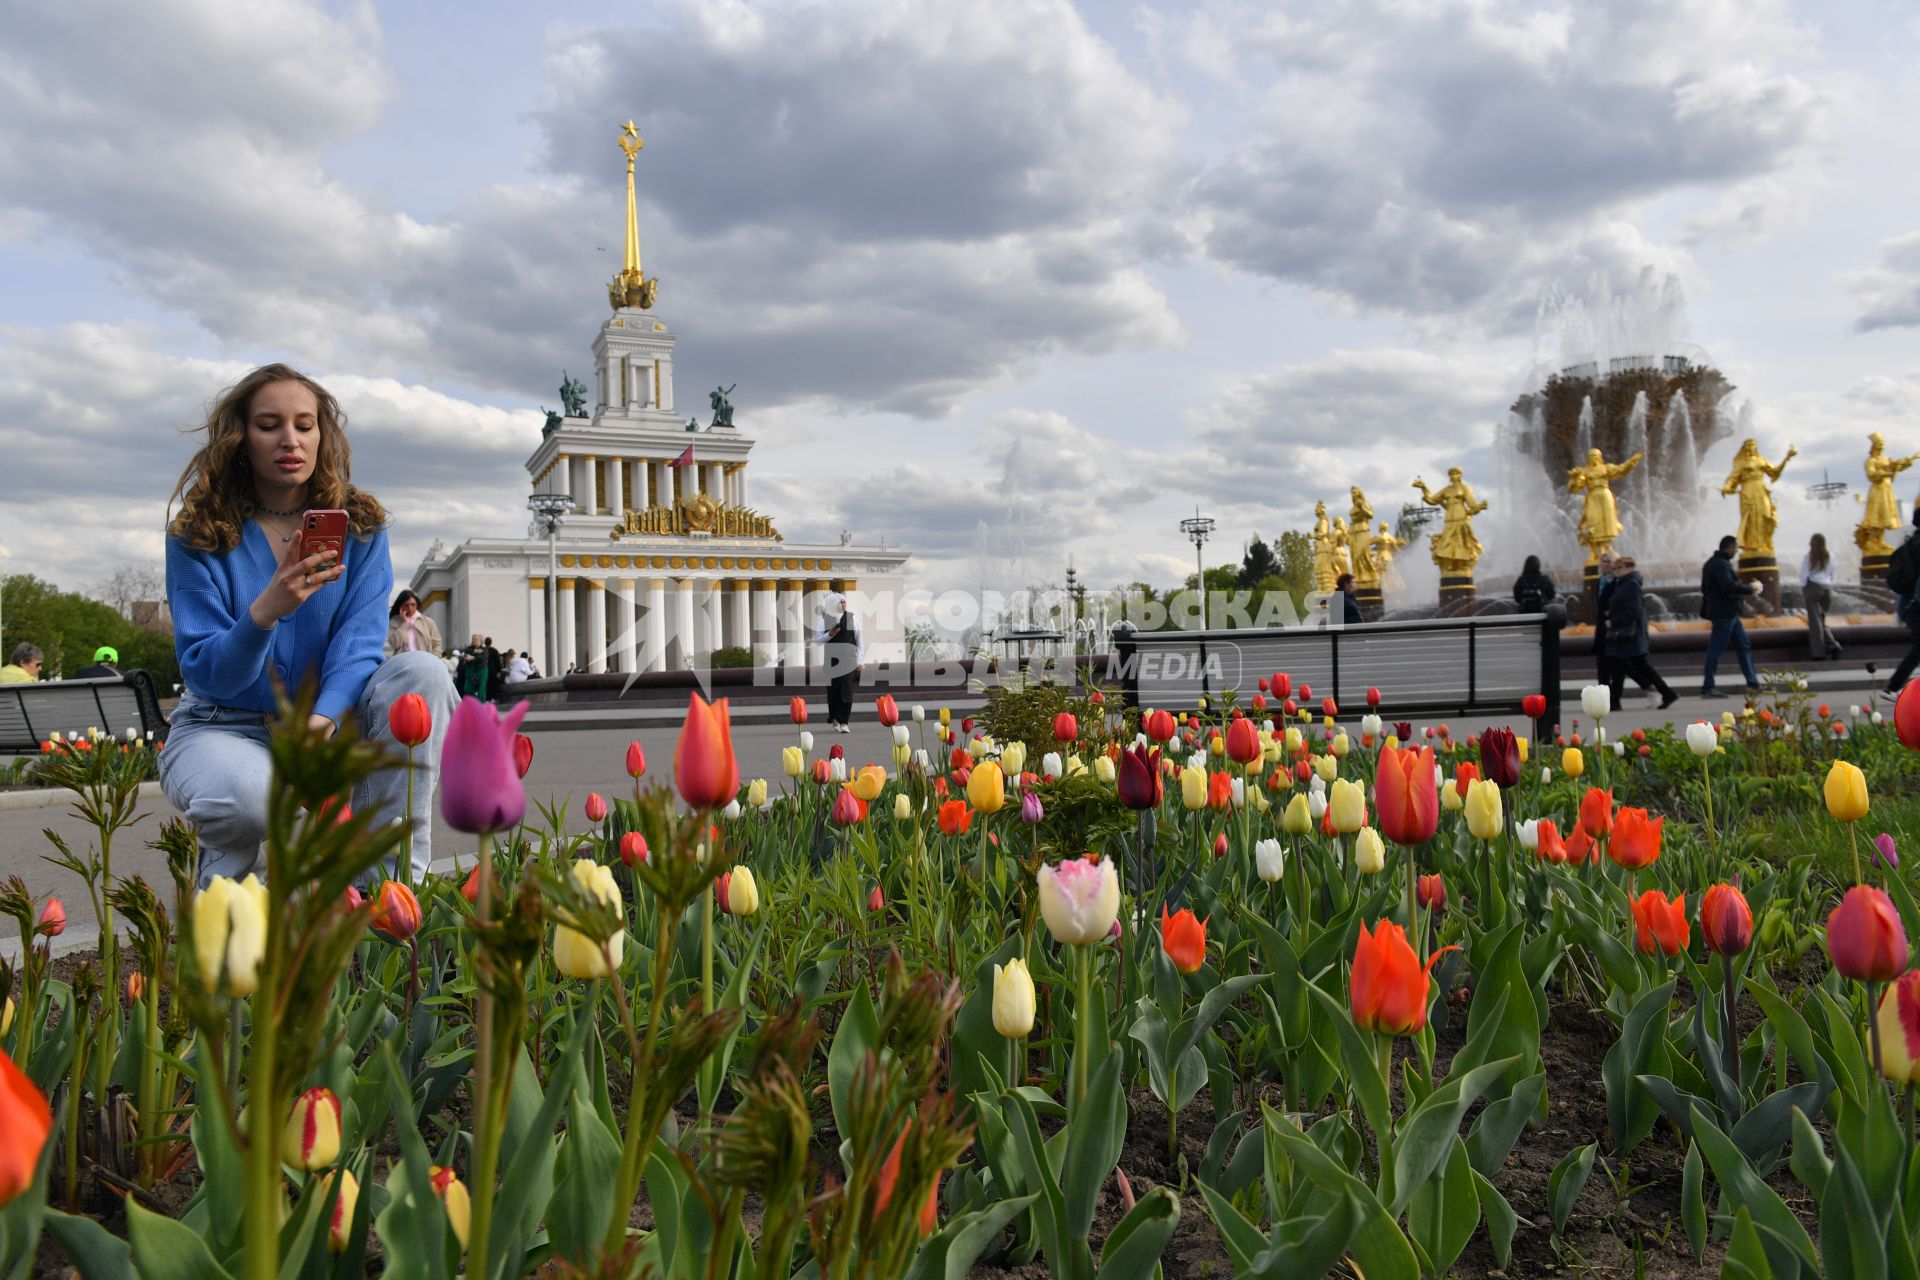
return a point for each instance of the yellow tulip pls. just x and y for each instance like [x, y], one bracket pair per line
[1572, 763]
[6, 1016]
[1393, 740]
[867, 783]
[944, 732]
[1298, 819]
[977, 747]
[743, 895]
[1013, 999]
[793, 761]
[986, 787]
[1522, 744]
[1348, 804]
[902, 753]
[946, 715]
[1291, 740]
[1846, 792]
[1103, 769]
[1013, 759]
[1369, 854]
[1484, 815]
[757, 793]
[1216, 746]
[1326, 722]
[1341, 744]
[230, 933]
[340, 1227]
[1450, 797]
[576, 955]
[1075, 765]
[1327, 767]
[902, 808]
[1193, 787]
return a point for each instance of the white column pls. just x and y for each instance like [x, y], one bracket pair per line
[640, 379]
[596, 625]
[593, 502]
[766, 632]
[661, 494]
[810, 606]
[740, 487]
[792, 634]
[681, 646]
[569, 652]
[666, 383]
[711, 607]
[616, 485]
[739, 623]
[537, 622]
[656, 620]
[624, 624]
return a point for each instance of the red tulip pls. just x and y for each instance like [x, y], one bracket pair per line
[1408, 800]
[1220, 845]
[836, 752]
[409, 719]
[1549, 847]
[875, 899]
[1534, 705]
[846, 808]
[1259, 703]
[1306, 693]
[1329, 707]
[1281, 685]
[1243, 741]
[1865, 937]
[396, 912]
[822, 771]
[1302, 770]
[1065, 727]
[1403, 730]
[1636, 838]
[889, 712]
[1388, 989]
[25, 1121]
[1432, 892]
[966, 726]
[1596, 812]
[720, 883]
[596, 807]
[1160, 726]
[1660, 923]
[797, 710]
[955, 818]
[1500, 757]
[1265, 684]
[703, 763]
[1581, 847]
[1906, 715]
[522, 754]
[1290, 707]
[1219, 791]
[633, 848]
[1183, 938]
[1138, 778]
[1726, 921]
[53, 920]
[1465, 774]
[636, 760]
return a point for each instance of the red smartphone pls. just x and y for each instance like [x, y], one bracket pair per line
[324, 530]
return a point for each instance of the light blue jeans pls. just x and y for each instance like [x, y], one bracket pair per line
[216, 769]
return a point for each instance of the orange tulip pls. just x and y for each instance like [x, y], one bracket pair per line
[1183, 938]
[1660, 922]
[396, 912]
[1865, 936]
[703, 764]
[1388, 988]
[1465, 774]
[1596, 812]
[1408, 799]
[1726, 921]
[1550, 847]
[1636, 837]
[25, 1122]
[955, 818]
[1580, 846]
[1219, 790]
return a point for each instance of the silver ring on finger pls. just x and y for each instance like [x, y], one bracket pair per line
[306, 580]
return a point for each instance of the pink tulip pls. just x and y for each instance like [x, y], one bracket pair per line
[480, 787]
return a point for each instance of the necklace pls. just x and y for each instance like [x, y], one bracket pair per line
[266, 510]
[284, 537]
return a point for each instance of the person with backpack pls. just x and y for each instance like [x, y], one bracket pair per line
[1627, 640]
[1903, 576]
[1816, 589]
[1721, 595]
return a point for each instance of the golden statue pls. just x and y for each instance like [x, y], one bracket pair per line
[1749, 478]
[1342, 548]
[1455, 549]
[1325, 572]
[1382, 547]
[1366, 571]
[1599, 518]
[1883, 508]
[631, 288]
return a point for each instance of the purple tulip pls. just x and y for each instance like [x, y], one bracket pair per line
[1031, 810]
[1883, 845]
[480, 787]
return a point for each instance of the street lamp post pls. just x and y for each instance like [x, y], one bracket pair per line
[548, 508]
[1199, 528]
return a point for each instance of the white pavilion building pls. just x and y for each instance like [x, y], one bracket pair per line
[661, 560]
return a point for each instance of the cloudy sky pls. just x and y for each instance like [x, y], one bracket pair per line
[1008, 280]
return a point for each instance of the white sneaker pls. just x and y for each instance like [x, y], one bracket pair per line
[845, 727]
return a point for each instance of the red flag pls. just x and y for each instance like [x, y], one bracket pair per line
[685, 459]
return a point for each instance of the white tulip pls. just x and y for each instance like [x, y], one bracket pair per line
[1702, 738]
[1529, 833]
[1050, 765]
[806, 740]
[1269, 860]
[900, 738]
[1546, 775]
[1596, 700]
[919, 714]
[732, 810]
[1370, 724]
[837, 769]
[1239, 793]
[1317, 804]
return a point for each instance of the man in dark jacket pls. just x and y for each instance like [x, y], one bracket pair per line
[1350, 615]
[1601, 595]
[1721, 595]
[1627, 640]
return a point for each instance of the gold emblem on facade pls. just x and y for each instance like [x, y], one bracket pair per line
[697, 514]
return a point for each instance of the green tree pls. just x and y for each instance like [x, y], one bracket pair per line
[1296, 563]
[68, 627]
[1258, 564]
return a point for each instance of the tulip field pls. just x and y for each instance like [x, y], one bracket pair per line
[1268, 987]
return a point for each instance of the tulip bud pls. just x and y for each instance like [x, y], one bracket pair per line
[837, 767]
[522, 754]
[574, 954]
[1269, 860]
[6, 1014]
[1013, 999]
[1298, 819]
[1846, 792]
[1104, 770]
[454, 1198]
[1898, 1019]
[596, 807]
[1031, 810]
[793, 761]
[136, 988]
[1885, 851]
[1726, 921]
[53, 920]
[633, 848]
[743, 895]
[340, 1225]
[1317, 804]
[806, 742]
[1013, 759]
[311, 1139]
[396, 912]
[1220, 845]
[1369, 853]
[1702, 738]
[636, 760]
[1432, 892]
[797, 709]
[1596, 700]
[876, 900]
[1484, 811]
[1529, 833]
[230, 934]
[409, 720]
[902, 808]
[1865, 936]
[919, 714]
[1572, 763]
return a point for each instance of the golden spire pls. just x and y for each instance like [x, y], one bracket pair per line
[631, 288]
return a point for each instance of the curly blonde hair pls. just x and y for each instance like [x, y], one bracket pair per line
[216, 493]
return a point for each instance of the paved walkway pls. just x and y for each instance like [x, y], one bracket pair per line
[573, 759]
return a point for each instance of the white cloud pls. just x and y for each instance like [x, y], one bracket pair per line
[1889, 293]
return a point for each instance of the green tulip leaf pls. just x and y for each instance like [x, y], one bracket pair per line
[1569, 1179]
[1132, 1251]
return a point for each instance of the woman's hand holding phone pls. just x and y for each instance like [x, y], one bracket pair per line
[295, 578]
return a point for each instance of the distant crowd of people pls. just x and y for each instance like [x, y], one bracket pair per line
[479, 670]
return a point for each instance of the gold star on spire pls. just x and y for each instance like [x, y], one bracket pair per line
[631, 288]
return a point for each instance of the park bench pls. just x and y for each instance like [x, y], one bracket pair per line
[1439, 666]
[32, 713]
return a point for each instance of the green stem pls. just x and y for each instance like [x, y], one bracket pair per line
[1729, 1050]
[486, 1132]
[638, 1141]
[406, 874]
[1853, 840]
[1083, 1018]
[1873, 1024]
[260, 1230]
